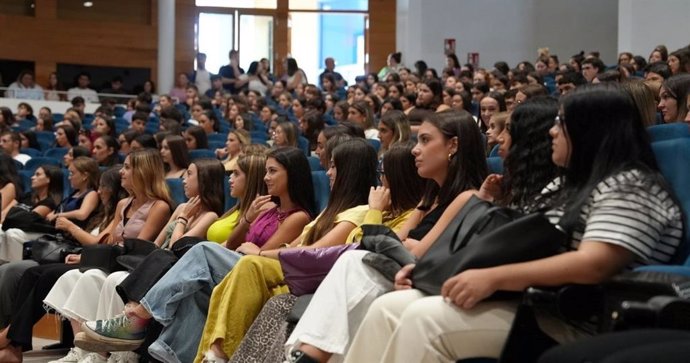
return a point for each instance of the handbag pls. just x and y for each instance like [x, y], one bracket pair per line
[50, 249]
[483, 235]
[22, 217]
[305, 268]
[133, 252]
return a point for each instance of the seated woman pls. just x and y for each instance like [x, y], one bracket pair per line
[196, 138]
[73, 153]
[24, 283]
[46, 194]
[105, 151]
[612, 202]
[82, 302]
[285, 135]
[175, 156]
[360, 113]
[394, 128]
[236, 141]
[181, 292]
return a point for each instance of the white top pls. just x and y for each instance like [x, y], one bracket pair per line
[88, 94]
[371, 134]
[258, 86]
[203, 81]
[22, 158]
[17, 90]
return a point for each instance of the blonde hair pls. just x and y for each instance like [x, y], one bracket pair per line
[500, 119]
[148, 174]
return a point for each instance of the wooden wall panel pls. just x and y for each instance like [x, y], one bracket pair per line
[185, 18]
[381, 40]
[48, 40]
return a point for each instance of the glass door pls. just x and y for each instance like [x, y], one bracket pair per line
[218, 33]
[215, 37]
[255, 39]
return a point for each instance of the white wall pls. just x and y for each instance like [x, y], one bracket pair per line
[505, 30]
[644, 24]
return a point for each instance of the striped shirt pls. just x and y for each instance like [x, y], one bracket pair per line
[630, 210]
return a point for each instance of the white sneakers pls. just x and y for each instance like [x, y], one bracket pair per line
[78, 355]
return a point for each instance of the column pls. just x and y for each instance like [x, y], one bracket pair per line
[166, 45]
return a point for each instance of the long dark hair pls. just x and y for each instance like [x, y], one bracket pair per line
[606, 138]
[178, 150]
[355, 161]
[200, 135]
[406, 186]
[467, 167]
[210, 174]
[528, 166]
[113, 158]
[8, 173]
[300, 185]
[110, 179]
[291, 66]
[55, 186]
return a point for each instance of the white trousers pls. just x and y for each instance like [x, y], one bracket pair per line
[408, 326]
[339, 305]
[78, 295]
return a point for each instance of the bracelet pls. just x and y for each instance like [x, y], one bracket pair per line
[182, 221]
[183, 218]
[246, 220]
[260, 253]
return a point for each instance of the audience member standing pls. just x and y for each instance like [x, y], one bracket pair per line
[231, 73]
[201, 77]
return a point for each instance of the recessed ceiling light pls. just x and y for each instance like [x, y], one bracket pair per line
[88, 4]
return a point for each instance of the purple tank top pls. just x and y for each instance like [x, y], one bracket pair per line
[266, 225]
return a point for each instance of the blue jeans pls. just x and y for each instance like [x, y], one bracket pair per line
[179, 301]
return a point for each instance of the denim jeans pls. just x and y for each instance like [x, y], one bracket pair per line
[179, 301]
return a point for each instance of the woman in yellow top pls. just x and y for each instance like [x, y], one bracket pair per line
[246, 182]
